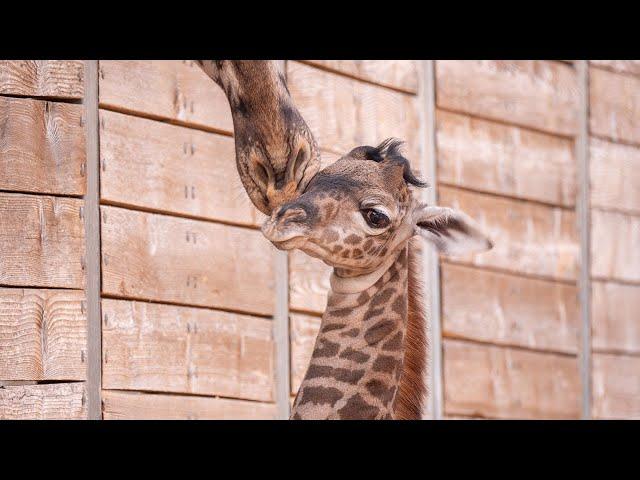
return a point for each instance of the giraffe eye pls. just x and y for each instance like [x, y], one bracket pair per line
[375, 218]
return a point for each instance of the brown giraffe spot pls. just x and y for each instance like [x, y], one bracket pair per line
[362, 298]
[379, 390]
[321, 395]
[354, 332]
[296, 416]
[328, 211]
[399, 305]
[383, 252]
[341, 374]
[372, 312]
[351, 354]
[357, 408]
[331, 235]
[394, 344]
[327, 348]
[333, 326]
[385, 364]
[345, 253]
[353, 239]
[367, 245]
[379, 331]
[357, 253]
[382, 297]
[336, 249]
[341, 312]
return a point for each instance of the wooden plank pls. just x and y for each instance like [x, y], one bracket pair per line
[54, 401]
[527, 237]
[308, 282]
[614, 322]
[304, 330]
[506, 160]
[344, 113]
[186, 350]
[538, 94]
[42, 335]
[616, 386]
[615, 238]
[41, 240]
[399, 74]
[62, 79]
[164, 167]
[176, 90]
[145, 406]
[615, 176]
[614, 105]
[42, 146]
[508, 383]
[155, 257]
[621, 66]
[509, 310]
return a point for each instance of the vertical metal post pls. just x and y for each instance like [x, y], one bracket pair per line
[92, 237]
[430, 259]
[584, 227]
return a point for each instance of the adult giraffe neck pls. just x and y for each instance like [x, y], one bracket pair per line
[356, 364]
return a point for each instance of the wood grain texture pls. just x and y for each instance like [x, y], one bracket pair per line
[614, 319]
[164, 167]
[165, 348]
[146, 406]
[42, 335]
[344, 113]
[531, 93]
[622, 66]
[308, 282]
[42, 147]
[304, 330]
[41, 240]
[175, 90]
[509, 310]
[615, 238]
[502, 382]
[506, 160]
[615, 176]
[614, 105]
[616, 386]
[399, 74]
[527, 238]
[62, 79]
[156, 257]
[54, 401]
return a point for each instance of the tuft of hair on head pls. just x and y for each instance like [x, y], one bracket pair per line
[389, 150]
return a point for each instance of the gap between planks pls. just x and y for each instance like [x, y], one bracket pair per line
[510, 346]
[183, 394]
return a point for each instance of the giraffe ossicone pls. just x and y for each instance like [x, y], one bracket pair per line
[358, 216]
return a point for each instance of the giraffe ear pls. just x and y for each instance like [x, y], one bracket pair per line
[453, 232]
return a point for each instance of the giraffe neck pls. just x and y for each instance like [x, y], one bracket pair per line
[356, 364]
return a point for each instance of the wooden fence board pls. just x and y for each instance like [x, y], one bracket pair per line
[509, 310]
[344, 113]
[186, 350]
[154, 165]
[615, 176]
[615, 238]
[308, 282]
[53, 401]
[616, 386]
[614, 105]
[42, 146]
[42, 335]
[304, 329]
[156, 257]
[146, 406]
[531, 93]
[176, 90]
[622, 66]
[506, 160]
[42, 78]
[400, 74]
[527, 238]
[41, 240]
[614, 319]
[508, 383]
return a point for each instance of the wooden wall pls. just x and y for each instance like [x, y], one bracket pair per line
[42, 258]
[614, 121]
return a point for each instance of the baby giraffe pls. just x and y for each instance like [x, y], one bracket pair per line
[358, 216]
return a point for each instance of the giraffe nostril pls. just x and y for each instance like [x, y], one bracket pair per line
[292, 214]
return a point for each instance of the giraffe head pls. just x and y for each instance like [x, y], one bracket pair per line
[359, 211]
